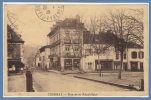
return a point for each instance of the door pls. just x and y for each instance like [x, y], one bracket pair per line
[76, 63]
[125, 66]
[68, 64]
[134, 66]
[141, 66]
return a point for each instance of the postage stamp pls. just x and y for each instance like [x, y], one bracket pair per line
[49, 13]
[75, 50]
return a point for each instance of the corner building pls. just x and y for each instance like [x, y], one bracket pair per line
[65, 42]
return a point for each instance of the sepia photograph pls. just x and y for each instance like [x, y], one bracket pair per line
[75, 50]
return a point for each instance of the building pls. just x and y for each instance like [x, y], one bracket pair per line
[43, 60]
[14, 50]
[95, 55]
[65, 41]
[110, 59]
[133, 58]
[71, 47]
[37, 60]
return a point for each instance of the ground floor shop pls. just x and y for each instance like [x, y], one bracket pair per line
[15, 66]
[60, 63]
[103, 64]
[136, 66]
[129, 66]
[90, 65]
[71, 63]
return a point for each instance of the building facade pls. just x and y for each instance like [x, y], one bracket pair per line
[42, 59]
[71, 47]
[14, 51]
[37, 60]
[65, 42]
[110, 59]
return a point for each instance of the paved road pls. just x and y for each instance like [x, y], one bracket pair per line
[54, 82]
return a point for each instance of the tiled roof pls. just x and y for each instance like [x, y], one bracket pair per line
[89, 38]
[12, 36]
[68, 22]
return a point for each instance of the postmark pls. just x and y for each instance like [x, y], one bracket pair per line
[49, 13]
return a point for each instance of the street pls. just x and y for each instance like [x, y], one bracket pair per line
[54, 82]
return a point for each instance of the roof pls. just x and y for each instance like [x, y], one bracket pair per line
[12, 36]
[89, 38]
[43, 48]
[68, 22]
[134, 45]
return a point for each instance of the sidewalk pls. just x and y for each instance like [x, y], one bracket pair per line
[65, 72]
[130, 80]
[17, 83]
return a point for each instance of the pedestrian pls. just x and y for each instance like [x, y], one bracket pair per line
[29, 85]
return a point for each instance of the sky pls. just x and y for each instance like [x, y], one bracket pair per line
[34, 30]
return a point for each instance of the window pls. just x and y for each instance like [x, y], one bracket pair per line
[117, 55]
[67, 48]
[134, 54]
[124, 56]
[89, 63]
[141, 54]
[76, 49]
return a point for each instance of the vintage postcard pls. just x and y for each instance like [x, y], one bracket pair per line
[75, 49]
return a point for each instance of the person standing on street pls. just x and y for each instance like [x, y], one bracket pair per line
[29, 85]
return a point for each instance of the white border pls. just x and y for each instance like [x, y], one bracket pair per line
[72, 3]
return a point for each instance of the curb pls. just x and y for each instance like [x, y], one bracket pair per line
[63, 73]
[58, 72]
[114, 84]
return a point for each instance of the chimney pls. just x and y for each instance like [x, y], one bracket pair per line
[78, 18]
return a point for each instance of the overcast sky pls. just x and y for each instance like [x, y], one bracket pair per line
[34, 30]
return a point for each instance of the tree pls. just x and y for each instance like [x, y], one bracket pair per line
[98, 44]
[124, 28]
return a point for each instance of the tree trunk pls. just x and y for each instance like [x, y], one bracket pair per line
[99, 63]
[121, 65]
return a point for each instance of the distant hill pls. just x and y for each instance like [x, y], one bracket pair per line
[29, 53]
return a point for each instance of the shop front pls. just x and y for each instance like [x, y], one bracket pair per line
[103, 65]
[14, 66]
[54, 62]
[71, 64]
[134, 66]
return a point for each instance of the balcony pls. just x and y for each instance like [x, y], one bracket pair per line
[71, 55]
[67, 41]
